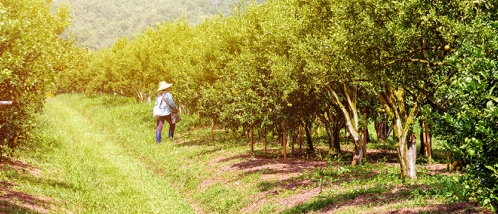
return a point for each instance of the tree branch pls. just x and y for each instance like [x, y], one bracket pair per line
[430, 64]
[409, 53]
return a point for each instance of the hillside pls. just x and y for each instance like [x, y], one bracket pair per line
[98, 23]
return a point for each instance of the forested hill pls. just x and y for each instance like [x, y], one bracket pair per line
[98, 23]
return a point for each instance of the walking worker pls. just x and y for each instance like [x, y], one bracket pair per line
[166, 105]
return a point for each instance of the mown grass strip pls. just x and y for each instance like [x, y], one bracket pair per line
[94, 174]
[184, 162]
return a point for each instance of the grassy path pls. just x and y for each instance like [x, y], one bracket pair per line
[97, 174]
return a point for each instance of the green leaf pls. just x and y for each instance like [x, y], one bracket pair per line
[490, 104]
[493, 98]
[492, 169]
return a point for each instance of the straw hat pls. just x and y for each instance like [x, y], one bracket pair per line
[163, 85]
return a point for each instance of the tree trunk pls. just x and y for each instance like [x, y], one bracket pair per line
[329, 130]
[350, 114]
[365, 136]
[337, 139]
[422, 138]
[332, 131]
[301, 140]
[212, 130]
[412, 156]
[199, 119]
[289, 140]
[407, 154]
[365, 140]
[266, 141]
[251, 135]
[394, 104]
[357, 154]
[425, 140]
[284, 144]
[294, 139]
[383, 130]
[308, 137]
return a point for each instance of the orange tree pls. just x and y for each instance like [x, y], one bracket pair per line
[220, 40]
[414, 65]
[74, 79]
[324, 51]
[133, 68]
[393, 51]
[31, 56]
[256, 81]
[259, 75]
[469, 125]
[176, 51]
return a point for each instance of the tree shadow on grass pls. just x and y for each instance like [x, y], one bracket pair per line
[254, 164]
[190, 142]
[8, 207]
[14, 201]
[386, 156]
[277, 174]
[197, 138]
[313, 178]
[379, 197]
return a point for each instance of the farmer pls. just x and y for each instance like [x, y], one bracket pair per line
[166, 104]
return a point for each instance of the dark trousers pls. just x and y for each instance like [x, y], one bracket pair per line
[160, 124]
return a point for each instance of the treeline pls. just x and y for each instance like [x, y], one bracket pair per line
[97, 23]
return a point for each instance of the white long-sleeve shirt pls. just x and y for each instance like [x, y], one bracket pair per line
[163, 106]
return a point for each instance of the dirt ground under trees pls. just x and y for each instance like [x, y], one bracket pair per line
[285, 172]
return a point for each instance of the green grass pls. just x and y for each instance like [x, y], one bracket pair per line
[88, 169]
[98, 155]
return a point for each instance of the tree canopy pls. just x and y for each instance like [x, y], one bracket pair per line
[32, 54]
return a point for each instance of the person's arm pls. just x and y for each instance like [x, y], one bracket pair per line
[158, 101]
[8, 102]
[169, 99]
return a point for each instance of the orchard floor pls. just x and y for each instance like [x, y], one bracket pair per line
[83, 164]
[285, 173]
[275, 170]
